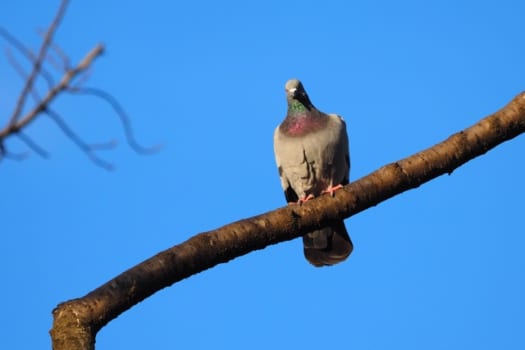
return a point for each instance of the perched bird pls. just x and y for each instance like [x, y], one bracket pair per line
[311, 152]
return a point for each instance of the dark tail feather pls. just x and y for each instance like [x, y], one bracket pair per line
[327, 246]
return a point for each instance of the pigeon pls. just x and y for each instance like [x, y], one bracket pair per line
[312, 156]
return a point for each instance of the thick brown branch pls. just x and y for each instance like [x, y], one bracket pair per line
[76, 322]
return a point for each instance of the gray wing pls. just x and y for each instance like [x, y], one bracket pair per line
[341, 166]
[289, 156]
[328, 150]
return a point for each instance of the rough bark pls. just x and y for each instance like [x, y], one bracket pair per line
[77, 321]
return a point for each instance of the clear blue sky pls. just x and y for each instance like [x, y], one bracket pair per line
[439, 267]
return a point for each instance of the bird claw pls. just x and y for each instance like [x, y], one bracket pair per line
[332, 190]
[302, 200]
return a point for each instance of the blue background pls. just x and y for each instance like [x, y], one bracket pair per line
[439, 267]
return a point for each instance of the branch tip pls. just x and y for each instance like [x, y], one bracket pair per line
[124, 118]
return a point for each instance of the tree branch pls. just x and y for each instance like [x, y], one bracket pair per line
[14, 42]
[77, 322]
[119, 110]
[33, 145]
[86, 148]
[51, 94]
[17, 121]
[48, 38]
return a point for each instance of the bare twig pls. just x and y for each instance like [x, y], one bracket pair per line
[57, 50]
[38, 63]
[42, 105]
[124, 119]
[18, 68]
[33, 145]
[86, 148]
[80, 80]
[48, 53]
[58, 66]
[60, 53]
[17, 44]
[14, 156]
[52, 94]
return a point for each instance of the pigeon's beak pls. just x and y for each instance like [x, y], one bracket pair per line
[292, 92]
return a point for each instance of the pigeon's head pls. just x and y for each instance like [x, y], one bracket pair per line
[295, 91]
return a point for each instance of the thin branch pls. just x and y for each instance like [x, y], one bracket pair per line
[124, 119]
[52, 94]
[103, 146]
[13, 156]
[66, 62]
[38, 63]
[61, 54]
[80, 80]
[58, 52]
[48, 51]
[77, 322]
[17, 44]
[55, 64]
[86, 148]
[18, 68]
[33, 145]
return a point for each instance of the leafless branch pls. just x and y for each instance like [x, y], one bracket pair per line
[44, 103]
[60, 53]
[71, 81]
[86, 148]
[57, 50]
[13, 156]
[33, 145]
[124, 119]
[17, 44]
[52, 94]
[38, 62]
[76, 322]
[20, 70]
[25, 51]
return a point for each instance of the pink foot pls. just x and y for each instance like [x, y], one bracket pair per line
[332, 190]
[302, 200]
